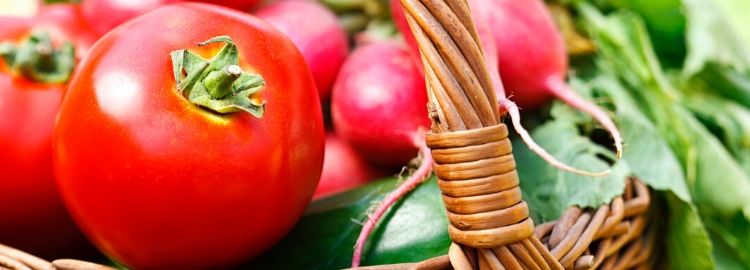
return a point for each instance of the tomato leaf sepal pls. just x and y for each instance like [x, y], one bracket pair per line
[218, 84]
[37, 59]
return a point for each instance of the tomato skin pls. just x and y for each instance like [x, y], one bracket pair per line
[13, 26]
[243, 5]
[66, 22]
[105, 15]
[159, 183]
[34, 217]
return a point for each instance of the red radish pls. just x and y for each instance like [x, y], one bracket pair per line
[343, 168]
[379, 107]
[379, 103]
[532, 61]
[317, 34]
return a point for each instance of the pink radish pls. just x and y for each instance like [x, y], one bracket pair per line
[104, 15]
[318, 35]
[532, 61]
[343, 169]
[379, 103]
[379, 107]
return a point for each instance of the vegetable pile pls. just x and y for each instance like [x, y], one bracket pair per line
[289, 134]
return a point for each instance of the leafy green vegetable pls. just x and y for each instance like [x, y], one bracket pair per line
[727, 120]
[666, 25]
[648, 155]
[725, 81]
[716, 182]
[688, 245]
[651, 160]
[414, 229]
[735, 12]
[550, 191]
[713, 36]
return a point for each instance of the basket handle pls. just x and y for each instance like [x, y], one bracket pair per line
[489, 222]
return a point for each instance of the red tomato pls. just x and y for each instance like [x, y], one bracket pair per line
[160, 183]
[66, 22]
[105, 15]
[34, 218]
[244, 5]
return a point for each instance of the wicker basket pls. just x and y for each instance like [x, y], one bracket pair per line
[489, 222]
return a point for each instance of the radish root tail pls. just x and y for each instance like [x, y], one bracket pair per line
[425, 167]
[515, 117]
[561, 90]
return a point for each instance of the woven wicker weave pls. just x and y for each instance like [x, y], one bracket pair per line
[489, 222]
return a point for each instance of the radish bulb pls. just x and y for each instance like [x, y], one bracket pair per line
[532, 62]
[379, 106]
[316, 32]
[379, 103]
[343, 169]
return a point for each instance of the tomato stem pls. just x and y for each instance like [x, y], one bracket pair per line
[37, 59]
[218, 84]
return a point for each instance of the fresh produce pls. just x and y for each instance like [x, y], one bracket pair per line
[379, 106]
[189, 145]
[481, 16]
[37, 57]
[379, 103]
[532, 66]
[413, 230]
[192, 136]
[343, 168]
[714, 178]
[105, 15]
[67, 22]
[686, 137]
[241, 5]
[317, 34]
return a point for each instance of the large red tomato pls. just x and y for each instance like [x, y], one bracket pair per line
[159, 182]
[38, 56]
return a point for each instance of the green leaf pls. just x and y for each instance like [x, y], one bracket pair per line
[218, 84]
[716, 182]
[550, 191]
[727, 120]
[713, 36]
[413, 230]
[725, 81]
[725, 259]
[647, 154]
[688, 245]
[665, 21]
[735, 12]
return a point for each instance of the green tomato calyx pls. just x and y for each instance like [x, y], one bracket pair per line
[37, 59]
[218, 84]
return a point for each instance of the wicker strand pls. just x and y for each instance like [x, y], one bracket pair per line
[13, 259]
